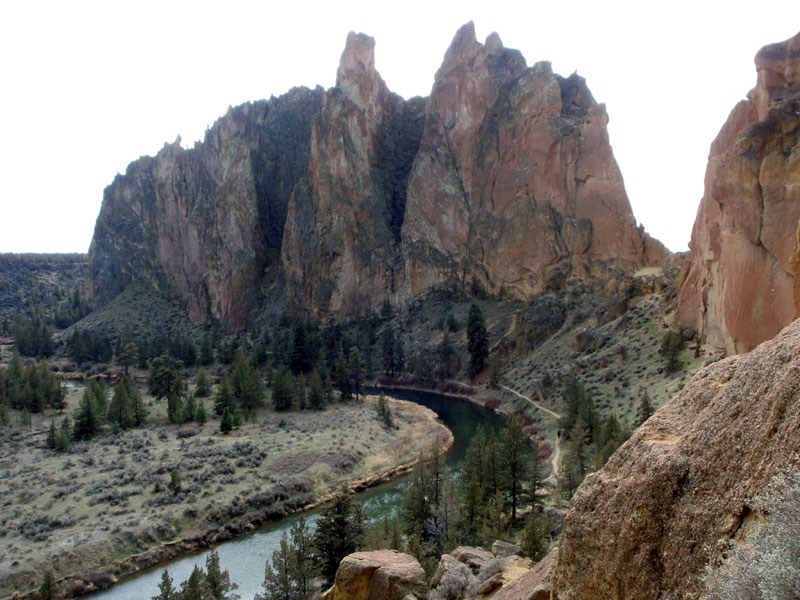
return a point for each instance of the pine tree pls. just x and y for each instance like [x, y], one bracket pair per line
[201, 416]
[51, 436]
[97, 393]
[356, 369]
[493, 526]
[138, 408]
[86, 422]
[316, 395]
[219, 581]
[64, 435]
[127, 356]
[282, 391]
[536, 536]
[196, 587]
[226, 421]
[340, 530]
[165, 589]
[248, 391]
[298, 358]
[119, 410]
[645, 409]
[302, 568]
[513, 442]
[48, 590]
[202, 386]
[223, 400]
[278, 584]
[343, 379]
[671, 347]
[477, 340]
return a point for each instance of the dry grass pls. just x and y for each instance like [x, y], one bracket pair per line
[108, 499]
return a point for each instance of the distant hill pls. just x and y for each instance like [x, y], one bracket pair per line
[41, 282]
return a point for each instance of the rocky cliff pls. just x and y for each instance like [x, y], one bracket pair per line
[332, 201]
[515, 182]
[741, 284]
[671, 498]
[208, 222]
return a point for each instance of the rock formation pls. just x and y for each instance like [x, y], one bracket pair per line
[671, 498]
[330, 202]
[741, 285]
[515, 183]
[378, 575]
[207, 222]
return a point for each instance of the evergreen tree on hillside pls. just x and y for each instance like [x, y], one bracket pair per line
[477, 340]
[165, 589]
[48, 590]
[223, 399]
[219, 581]
[196, 587]
[356, 370]
[225, 421]
[340, 530]
[248, 391]
[645, 409]
[513, 442]
[86, 422]
[343, 379]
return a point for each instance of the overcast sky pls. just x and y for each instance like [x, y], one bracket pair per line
[89, 87]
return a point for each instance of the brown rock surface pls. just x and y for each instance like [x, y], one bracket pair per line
[515, 182]
[378, 575]
[207, 222]
[669, 500]
[740, 286]
[329, 202]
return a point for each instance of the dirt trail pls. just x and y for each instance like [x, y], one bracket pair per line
[538, 405]
[555, 415]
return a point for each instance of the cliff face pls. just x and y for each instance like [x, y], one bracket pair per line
[207, 222]
[334, 201]
[341, 248]
[515, 182]
[741, 285]
[673, 496]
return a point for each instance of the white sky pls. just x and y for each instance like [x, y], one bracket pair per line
[85, 88]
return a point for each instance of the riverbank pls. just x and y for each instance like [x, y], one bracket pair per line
[105, 512]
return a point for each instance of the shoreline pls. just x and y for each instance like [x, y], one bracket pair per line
[199, 538]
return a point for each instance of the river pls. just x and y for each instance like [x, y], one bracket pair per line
[245, 557]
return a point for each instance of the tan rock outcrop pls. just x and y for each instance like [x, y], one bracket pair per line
[673, 496]
[474, 574]
[741, 285]
[378, 575]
